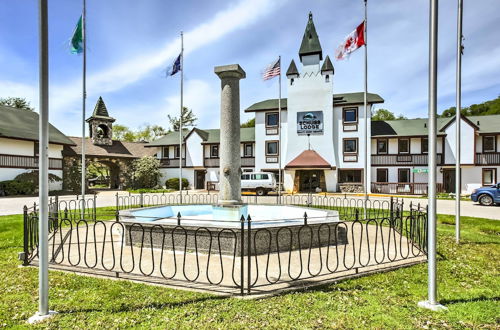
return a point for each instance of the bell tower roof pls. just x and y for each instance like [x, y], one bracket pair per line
[100, 111]
[310, 41]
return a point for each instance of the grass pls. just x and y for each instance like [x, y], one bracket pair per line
[148, 190]
[467, 273]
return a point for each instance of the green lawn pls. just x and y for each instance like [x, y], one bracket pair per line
[469, 285]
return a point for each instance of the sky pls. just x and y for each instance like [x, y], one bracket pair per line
[131, 43]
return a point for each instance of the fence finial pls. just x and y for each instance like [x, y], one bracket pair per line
[305, 218]
[178, 218]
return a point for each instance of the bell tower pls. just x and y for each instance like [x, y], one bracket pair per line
[101, 125]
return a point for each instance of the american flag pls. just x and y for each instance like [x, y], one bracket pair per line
[273, 70]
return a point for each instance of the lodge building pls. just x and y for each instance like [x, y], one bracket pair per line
[322, 142]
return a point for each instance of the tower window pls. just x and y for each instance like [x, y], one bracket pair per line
[102, 131]
[291, 81]
[327, 78]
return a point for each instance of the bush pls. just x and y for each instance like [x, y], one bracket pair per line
[146, 172]
[24, 184]
[173, 183]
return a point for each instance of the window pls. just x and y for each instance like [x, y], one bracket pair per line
[382, 175]
[382, 146]
[260, 177]
[489, 144]
[404, 146]
[248, 150]
[245, 177]
[350, 115]
[272, 119]
[489, 176]
[164, 152]
[404, 175]
[176, 152]
[350, 176]
[214, 151]
[36, 149]
[350, 146]
[425, 145]
[271, 148]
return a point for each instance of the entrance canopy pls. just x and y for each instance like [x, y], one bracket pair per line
[308, 159]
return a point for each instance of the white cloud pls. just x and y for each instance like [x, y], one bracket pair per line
[14, 89]
[123, 74]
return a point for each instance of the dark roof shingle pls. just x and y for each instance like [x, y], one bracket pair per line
[119, 149]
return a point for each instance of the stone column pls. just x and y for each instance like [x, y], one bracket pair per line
[229, 150]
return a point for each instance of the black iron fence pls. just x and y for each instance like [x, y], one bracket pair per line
[247, 257]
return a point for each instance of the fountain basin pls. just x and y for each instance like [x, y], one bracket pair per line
[273, 228]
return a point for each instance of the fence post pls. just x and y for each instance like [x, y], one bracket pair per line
[391, 212]
[94, 209]
[117, 203]
[242, 255]
[249, 252]
[357, 214]
[305, 218]
[178, 218]
[141, 196]
[56, 217]
[25, 238]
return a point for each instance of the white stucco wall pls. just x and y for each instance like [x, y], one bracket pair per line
[261, 138]
[194, 150]
[168, 173]
[467, 152]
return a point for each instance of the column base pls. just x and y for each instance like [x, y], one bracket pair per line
[433, 307]
[39, 318]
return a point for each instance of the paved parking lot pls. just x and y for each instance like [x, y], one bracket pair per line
[14, 205]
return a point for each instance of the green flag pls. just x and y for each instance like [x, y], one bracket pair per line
[77, 39]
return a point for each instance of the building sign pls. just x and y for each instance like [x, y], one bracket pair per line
[420, 170]
[310, 122]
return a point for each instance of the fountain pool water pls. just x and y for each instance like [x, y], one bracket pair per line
[214, 216]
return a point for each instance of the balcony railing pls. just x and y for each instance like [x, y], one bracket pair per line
[403, 188]
[214, 162]
[491, 158]
[27, 162]
[403, 159]
[171, 162]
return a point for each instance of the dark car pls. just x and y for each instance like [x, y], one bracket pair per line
[487, 195]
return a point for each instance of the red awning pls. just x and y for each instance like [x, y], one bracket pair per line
[308, 159]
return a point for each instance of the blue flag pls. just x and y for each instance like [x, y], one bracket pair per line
[176, 67]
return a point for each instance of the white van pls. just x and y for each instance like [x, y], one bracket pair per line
[260, 182]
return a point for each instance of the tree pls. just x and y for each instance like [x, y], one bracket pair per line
[16, 102]
[491, 107]
[146, 172]
[188, 119]
[384, 114]
[249, 123]
[147, 133]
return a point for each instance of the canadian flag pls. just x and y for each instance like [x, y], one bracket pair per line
[353, 41]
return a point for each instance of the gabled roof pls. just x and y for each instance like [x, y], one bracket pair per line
[100, 111]
[247, 134]
[120, 149]
[292, 69]
[171, 138]
[418, 127]
[327, 65]
[338, 100]
[310, 41]
[356, 98]
[23, 125]
[308, 159]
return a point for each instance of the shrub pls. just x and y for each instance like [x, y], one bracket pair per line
[146, 172]
[173, 183]
[24, 184]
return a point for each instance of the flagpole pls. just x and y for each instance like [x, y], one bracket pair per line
[180, 118]
[279, 135]
[84, 97]
[366, 112]
[431, 302]
[458, 174]
[43, 194]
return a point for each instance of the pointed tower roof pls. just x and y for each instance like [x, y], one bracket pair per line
[327, 65]
[100, 111]
[292, 69]
[310, 41]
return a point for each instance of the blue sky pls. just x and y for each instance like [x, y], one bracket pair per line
[130, 43]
